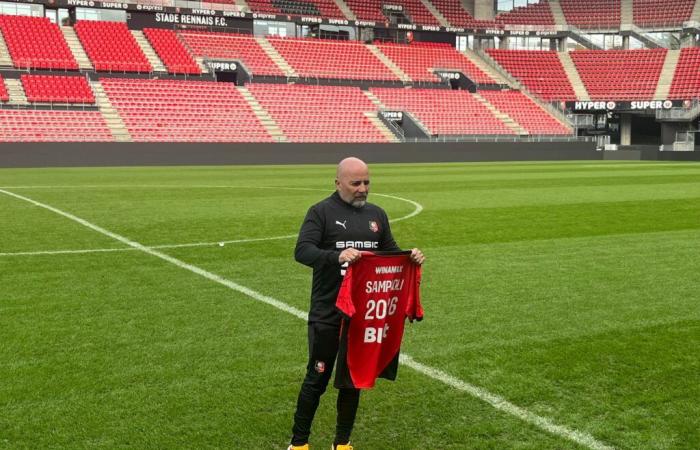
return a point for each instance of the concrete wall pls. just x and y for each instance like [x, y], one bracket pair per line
[144, 154]
[484, 9]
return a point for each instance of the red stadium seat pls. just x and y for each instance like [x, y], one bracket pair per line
[323, 8]
[662, 13]
[4, 96]
[533, 14]
[171, 51]
[454, 12]
[35, 42]
[592, 14]
[419, 59]
[601, 71]
[29, 125]
[332, 59]
[527, 113]
[686, 80]
[184, 111]
[308, 113]
[111, 47]
[540, 71]
[443, 111]
[372, 10]
[59, 89]
[231, 46]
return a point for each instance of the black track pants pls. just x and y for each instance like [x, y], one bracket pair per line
[323, 348]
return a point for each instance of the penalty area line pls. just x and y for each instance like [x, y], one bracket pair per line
[482, 394]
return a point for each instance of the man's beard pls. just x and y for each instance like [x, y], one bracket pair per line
[359, 202]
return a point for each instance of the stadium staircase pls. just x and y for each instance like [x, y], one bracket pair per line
[574, 77]
[76, 48]
[505, 118]
[396, 70]
[374, 99]
[695, 15]
[112, 118]
[667, 72]
[276, 57]
[345, 9]
[263, 116]
[487, 65]
[15, 91]
[626, 12]
[5, 58]
[242, 5]
[647, 39]
[200, 63]
[515, 84]
[374, 119]
[435, 12]
[579, 36]
[153, 59]
[557, 13]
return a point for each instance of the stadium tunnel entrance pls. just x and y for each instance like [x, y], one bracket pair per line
[228, 71]
[625, 123]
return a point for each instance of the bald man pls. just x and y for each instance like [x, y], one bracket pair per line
[334, 233]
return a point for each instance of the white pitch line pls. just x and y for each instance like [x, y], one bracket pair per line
[418, 208]
[496, 401]
[504, 405]
[164, 246]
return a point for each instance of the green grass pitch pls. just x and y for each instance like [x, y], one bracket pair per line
[571, 290]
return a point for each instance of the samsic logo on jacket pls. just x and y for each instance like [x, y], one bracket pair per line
[357, 244]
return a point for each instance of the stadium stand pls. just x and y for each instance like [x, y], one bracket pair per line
[539, 14]
[540, 71]
[183, 111]
[686, 80]
[4, 96]
[592, 14]
[171, 51]
[336, 112]
[324, 8]
[372, 10]
[231, 46]
[444, 112]
[29, 125]
[111, 46]
[35, 42]
[59, 89]
[651, 13]
[527, 113]
[620, 74]
[419, 59]
[350, 59]
[454, 12]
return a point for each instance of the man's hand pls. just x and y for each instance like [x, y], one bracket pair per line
[349, 255]
[417, 256]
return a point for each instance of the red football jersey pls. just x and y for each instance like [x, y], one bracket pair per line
[379, 292]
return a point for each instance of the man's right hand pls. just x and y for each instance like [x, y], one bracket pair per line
[349, 255]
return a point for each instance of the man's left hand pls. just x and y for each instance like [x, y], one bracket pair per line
[417, 256]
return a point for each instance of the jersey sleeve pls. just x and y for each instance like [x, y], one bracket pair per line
[414, 309]
[344, 300]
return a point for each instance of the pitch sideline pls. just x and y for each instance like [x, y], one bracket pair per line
[494, 400]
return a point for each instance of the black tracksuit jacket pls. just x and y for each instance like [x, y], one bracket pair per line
[329, 227]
